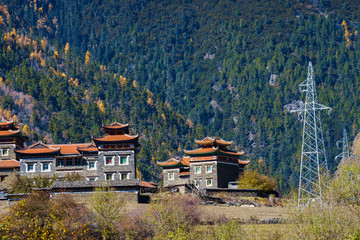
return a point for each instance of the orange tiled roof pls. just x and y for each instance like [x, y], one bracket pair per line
[212, 150]
[38, 148]
[187, 173]
[89, 148]
[209, 140]
[116, 138]
[6, 133]
[170, 162]
[244, 161]
[9, 164]
[6, 123]
[148, 184]
[69, 149]
[116, 125]
[185, 161]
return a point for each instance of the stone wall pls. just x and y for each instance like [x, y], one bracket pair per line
[83, 197]
[203, 175]
[117, 168]
[11, 153]
[243, 192]
[227, 173]
[177, 180]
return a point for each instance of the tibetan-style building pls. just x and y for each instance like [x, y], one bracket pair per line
[10, 140]
[110, 157]
[176, 172]
[210, 166]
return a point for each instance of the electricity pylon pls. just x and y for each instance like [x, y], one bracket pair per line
[345, 155]
[313, 156]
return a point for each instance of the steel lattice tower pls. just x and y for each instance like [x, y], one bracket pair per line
[345, 155]
[313, 156]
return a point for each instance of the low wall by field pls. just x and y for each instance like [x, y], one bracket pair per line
[243, 192]
[83, 197]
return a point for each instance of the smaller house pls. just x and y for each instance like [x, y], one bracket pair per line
[212, 165]
[176, 172]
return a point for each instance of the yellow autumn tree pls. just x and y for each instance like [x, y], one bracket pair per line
[163, 117]
[347, 34]
[43, 63]
[150, 102]
[56, 55]
[123, 81]
[101, 106]
[135, 84]
[26, 130]
[87, 57]
[67, 48]
[87, 95]
[252, 179]
[44, 43]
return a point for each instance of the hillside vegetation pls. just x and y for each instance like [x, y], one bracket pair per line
[179, 71]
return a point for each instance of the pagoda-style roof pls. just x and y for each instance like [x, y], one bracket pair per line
[69, 149]
[185, 161]
[174, 162]
[213, 141]
[39, 149]
[116, 128]
[12, 133]
[8, 125]
[9, 164]
[116, 138]
[91, 148]
[243, 162]
[212, 151]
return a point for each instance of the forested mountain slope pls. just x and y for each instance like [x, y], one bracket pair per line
[182, 70]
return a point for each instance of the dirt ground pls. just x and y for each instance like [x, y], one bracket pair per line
[213, 211]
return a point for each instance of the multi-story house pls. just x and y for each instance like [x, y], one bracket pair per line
[10, 140]
[110, 157]
[210, 166]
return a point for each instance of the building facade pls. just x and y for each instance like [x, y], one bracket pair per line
[11, 139]
[210, 166]
[110, 157]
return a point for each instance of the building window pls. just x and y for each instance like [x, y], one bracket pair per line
[208, 182]
[69, 162]
[123, 160]
[109, 176]
[60, 162]
[196, 182]
[77, 161]
[30, 167]
[208, 169]
[109, 160]
[197, 170]
[46, 167]
[92, 166]
[91, 179]
[4, 152]
[124, 176]
[171, 176]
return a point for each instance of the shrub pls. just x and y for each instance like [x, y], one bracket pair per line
[16, 184]
[108, 208]
[347, 184]
[167, 218]
[40, 217]
[251, 179]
